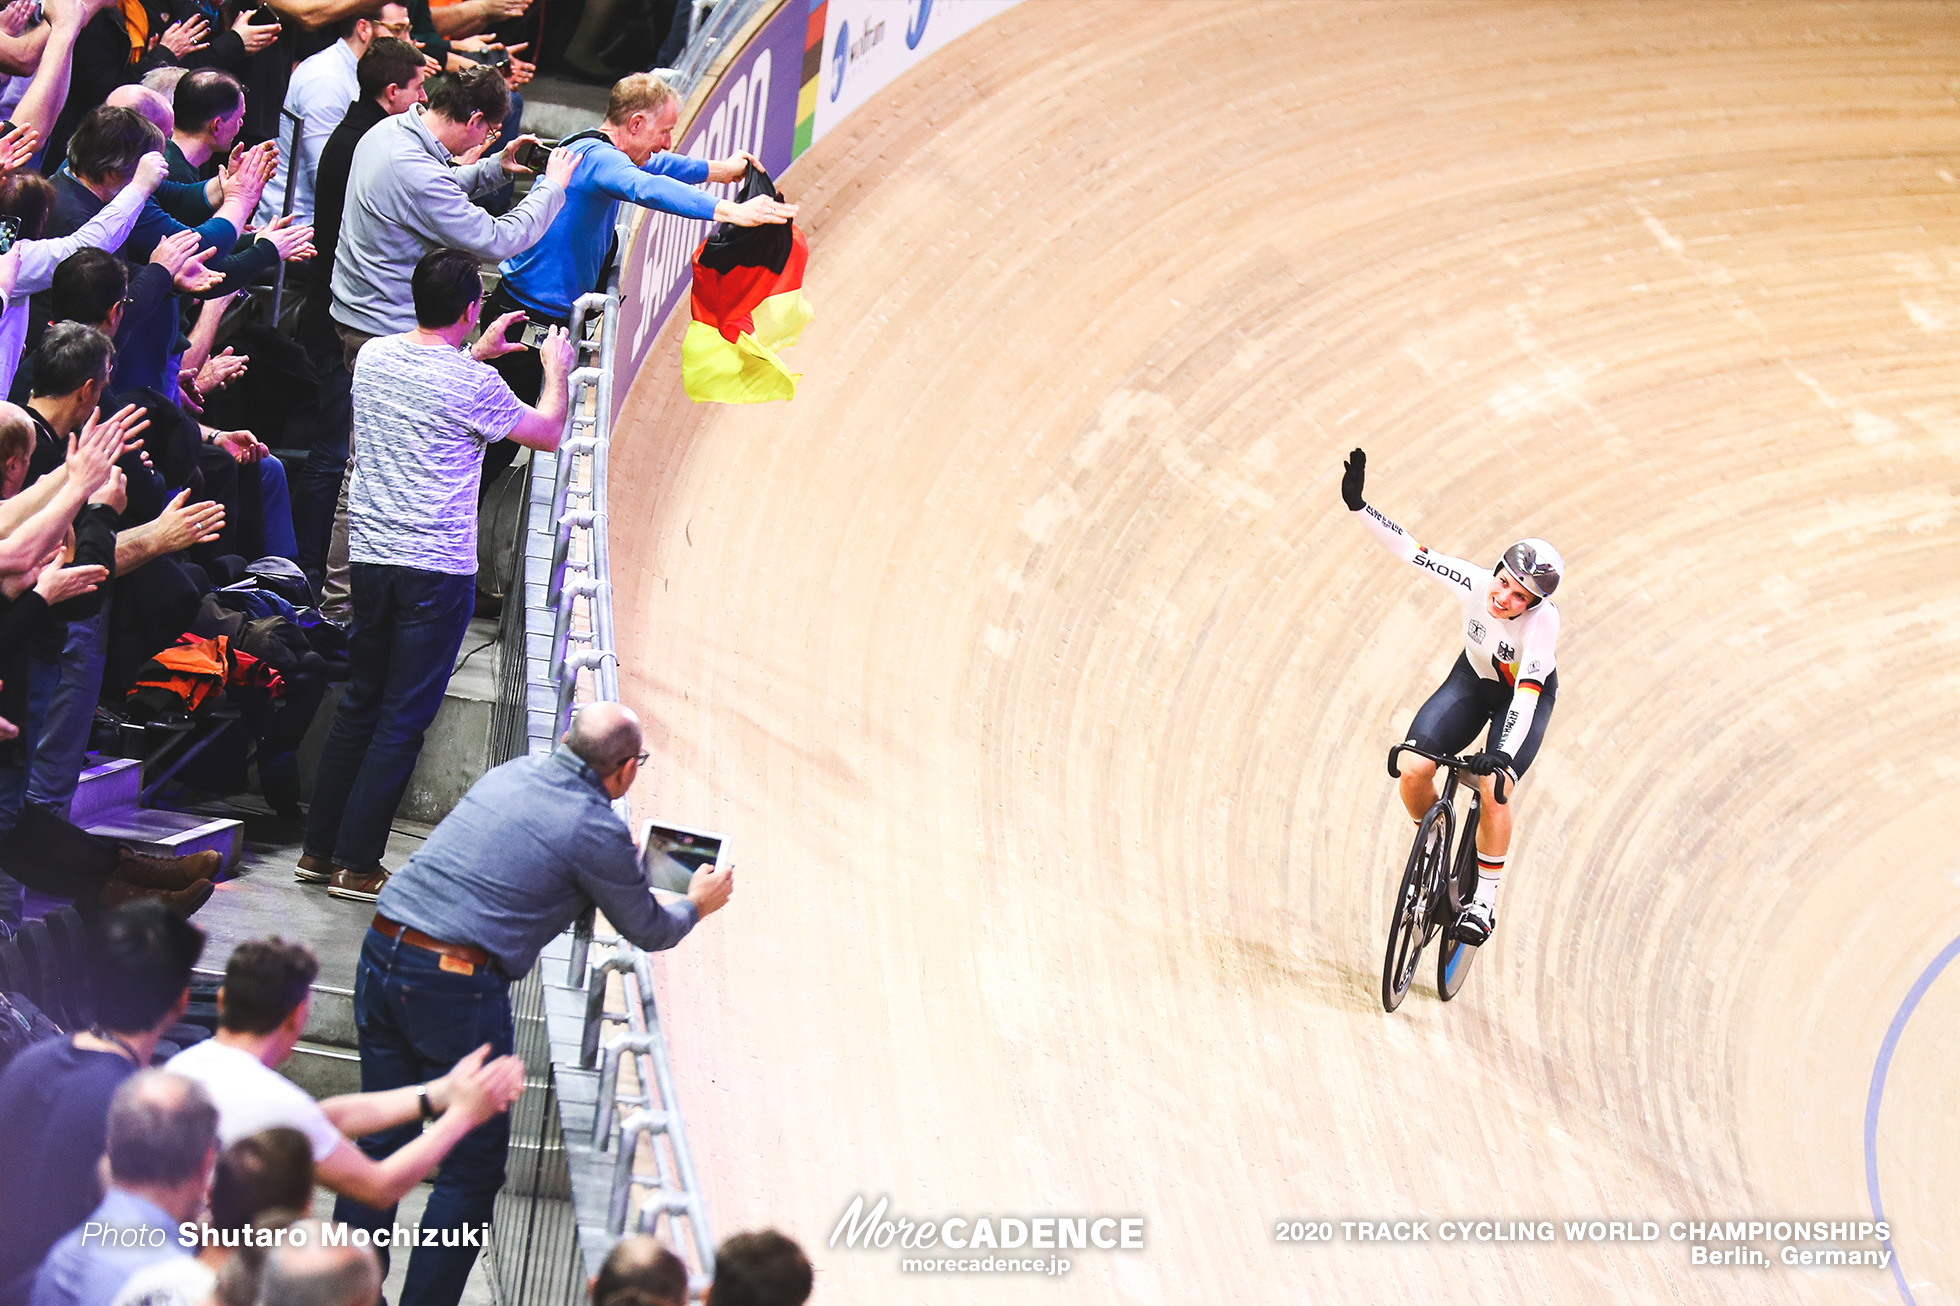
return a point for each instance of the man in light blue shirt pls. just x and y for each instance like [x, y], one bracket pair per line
[322, 88]
[533, 844]
[163, 1139]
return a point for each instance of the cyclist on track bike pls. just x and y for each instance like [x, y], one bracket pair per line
[1504, 678]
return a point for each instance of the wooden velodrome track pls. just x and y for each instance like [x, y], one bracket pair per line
[1044, 685]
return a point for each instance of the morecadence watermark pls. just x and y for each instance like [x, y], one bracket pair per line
[877, 1228]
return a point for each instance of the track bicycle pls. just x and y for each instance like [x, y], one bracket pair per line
[1441, 877]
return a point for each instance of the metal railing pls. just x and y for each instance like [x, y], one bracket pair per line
[715, 27]
[570, 656]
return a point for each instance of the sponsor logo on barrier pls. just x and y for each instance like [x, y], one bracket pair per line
[915, 30]
[846, 53]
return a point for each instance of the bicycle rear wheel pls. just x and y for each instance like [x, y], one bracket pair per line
[1410, 926]
[1452, 958]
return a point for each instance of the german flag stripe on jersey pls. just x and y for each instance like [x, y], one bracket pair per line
[1531, 686]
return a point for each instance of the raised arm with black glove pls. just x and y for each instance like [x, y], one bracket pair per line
[1353, 472]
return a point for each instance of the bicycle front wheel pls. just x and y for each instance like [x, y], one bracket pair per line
[1410, 925]
[1452, 958]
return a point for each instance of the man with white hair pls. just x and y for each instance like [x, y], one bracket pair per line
[530, 847]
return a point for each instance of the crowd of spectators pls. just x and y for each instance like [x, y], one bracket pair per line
[227, 230]
[114, 1150]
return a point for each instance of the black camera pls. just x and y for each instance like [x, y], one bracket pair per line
[534, 155]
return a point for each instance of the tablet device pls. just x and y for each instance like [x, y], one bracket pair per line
[671, 854]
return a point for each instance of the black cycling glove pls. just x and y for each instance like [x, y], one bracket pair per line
[1353, 472]
[1489, 763]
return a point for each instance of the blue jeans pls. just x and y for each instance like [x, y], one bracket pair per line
[316, 486]
[63, 743]
[416, 1020]
[408, 626]
[276, 501]
[42, 678]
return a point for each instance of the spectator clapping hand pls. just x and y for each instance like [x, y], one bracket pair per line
[8, 730]
[219, 371]
[17, 149]
[294, 242]
[255, 167]
[93, 450]
[255, 37]
[17, 17]
[477, 1086]
[114, 493]
[519, 72]
[182, 524]
[59, 584]
[180, 255]
[236, 161]
[73, 13]
[243, 446]
[185, 37]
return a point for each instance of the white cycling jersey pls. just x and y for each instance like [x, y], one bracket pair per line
[1515, 650]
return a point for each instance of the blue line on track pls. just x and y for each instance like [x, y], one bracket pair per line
[1877, 1096]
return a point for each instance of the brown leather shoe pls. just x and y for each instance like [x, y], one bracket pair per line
[184, 902]
[167, 873]
[356, 887]
[314, 870]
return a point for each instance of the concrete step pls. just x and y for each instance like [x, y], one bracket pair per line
[107, 784]
[323, 1071]
[170, 834]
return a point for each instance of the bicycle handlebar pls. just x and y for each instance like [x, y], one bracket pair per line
[1444, 759]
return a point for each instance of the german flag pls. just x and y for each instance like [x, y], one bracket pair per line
[747, 303]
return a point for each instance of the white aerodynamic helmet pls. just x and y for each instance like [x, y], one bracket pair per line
[1535, 565]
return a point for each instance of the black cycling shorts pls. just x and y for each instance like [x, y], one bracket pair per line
[1467, 704]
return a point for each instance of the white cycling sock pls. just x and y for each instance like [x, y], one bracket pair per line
[1490, 874]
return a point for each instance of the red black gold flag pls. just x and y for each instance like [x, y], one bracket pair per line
[747, 303]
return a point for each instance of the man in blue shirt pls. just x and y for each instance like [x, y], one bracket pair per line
[531, 846]
[163, 1139]
[626, 160]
